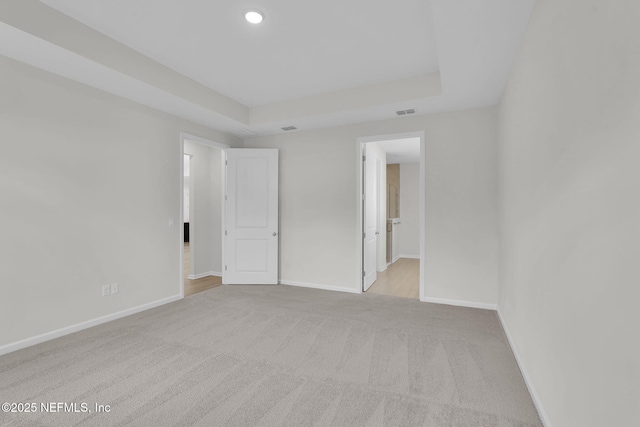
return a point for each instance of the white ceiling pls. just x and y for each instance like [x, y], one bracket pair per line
[302, 47]
[406, 150]
[310, 64]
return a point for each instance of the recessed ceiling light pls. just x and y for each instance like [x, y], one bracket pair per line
[254, 16]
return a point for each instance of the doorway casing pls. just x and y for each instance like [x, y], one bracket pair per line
[422, 200]
[189, 137]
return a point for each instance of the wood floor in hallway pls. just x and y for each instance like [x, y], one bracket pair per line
[197, 285]
[400, 279]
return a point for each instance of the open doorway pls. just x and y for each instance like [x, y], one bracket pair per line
[392, 217]
[186, 217]
[201, 205]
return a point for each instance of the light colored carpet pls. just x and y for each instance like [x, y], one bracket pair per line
[278, 356]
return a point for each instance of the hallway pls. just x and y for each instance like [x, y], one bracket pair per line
[400, 279]
[197, 285]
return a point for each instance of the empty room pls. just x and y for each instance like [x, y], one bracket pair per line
[407, 213]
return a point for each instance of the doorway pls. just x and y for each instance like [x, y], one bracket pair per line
[201, 213]
[392, 214]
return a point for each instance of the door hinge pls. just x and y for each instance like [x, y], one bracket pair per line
[225, 268]
[364, 158]
[225, 197]
[364, 235]
[364, 273]
[226, 163]
[225, 232]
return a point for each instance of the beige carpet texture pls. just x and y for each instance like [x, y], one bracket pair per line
[275, 356]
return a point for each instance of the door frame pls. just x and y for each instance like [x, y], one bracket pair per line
[204, 141]
[422, 200]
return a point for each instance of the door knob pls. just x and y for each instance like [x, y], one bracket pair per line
[274, 234]
[377, 232]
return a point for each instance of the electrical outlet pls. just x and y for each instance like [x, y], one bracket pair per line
[114, 288]
[106, 290]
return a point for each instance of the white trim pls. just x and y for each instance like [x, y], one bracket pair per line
[359, 266]
[395, 258]
[460, 303]
[384, 267]
[181, 215]
[205, 274]
[527, 380]
[422, 215]
[203, 141]
[409, 256]
[319, 286]
[194, 138]
[28, 342]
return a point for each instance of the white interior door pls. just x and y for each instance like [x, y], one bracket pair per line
[370, 222]
[251, 217]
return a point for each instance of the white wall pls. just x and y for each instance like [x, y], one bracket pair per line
[187, 203]
[319, 198]
[89, 184]
[205, 228]
[570, 156]
[186, 189]
[409, 228]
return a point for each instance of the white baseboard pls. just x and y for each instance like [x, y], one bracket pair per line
[384, 267]
[527, 380]
[28, 342]
[395, 258]
[409, 256]
[319, 286]
[460, 303]
[205, 274]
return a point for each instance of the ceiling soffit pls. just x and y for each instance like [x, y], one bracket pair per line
[37, 33]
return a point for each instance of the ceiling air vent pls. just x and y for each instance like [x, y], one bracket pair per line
[403, 112]
[289, 128]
